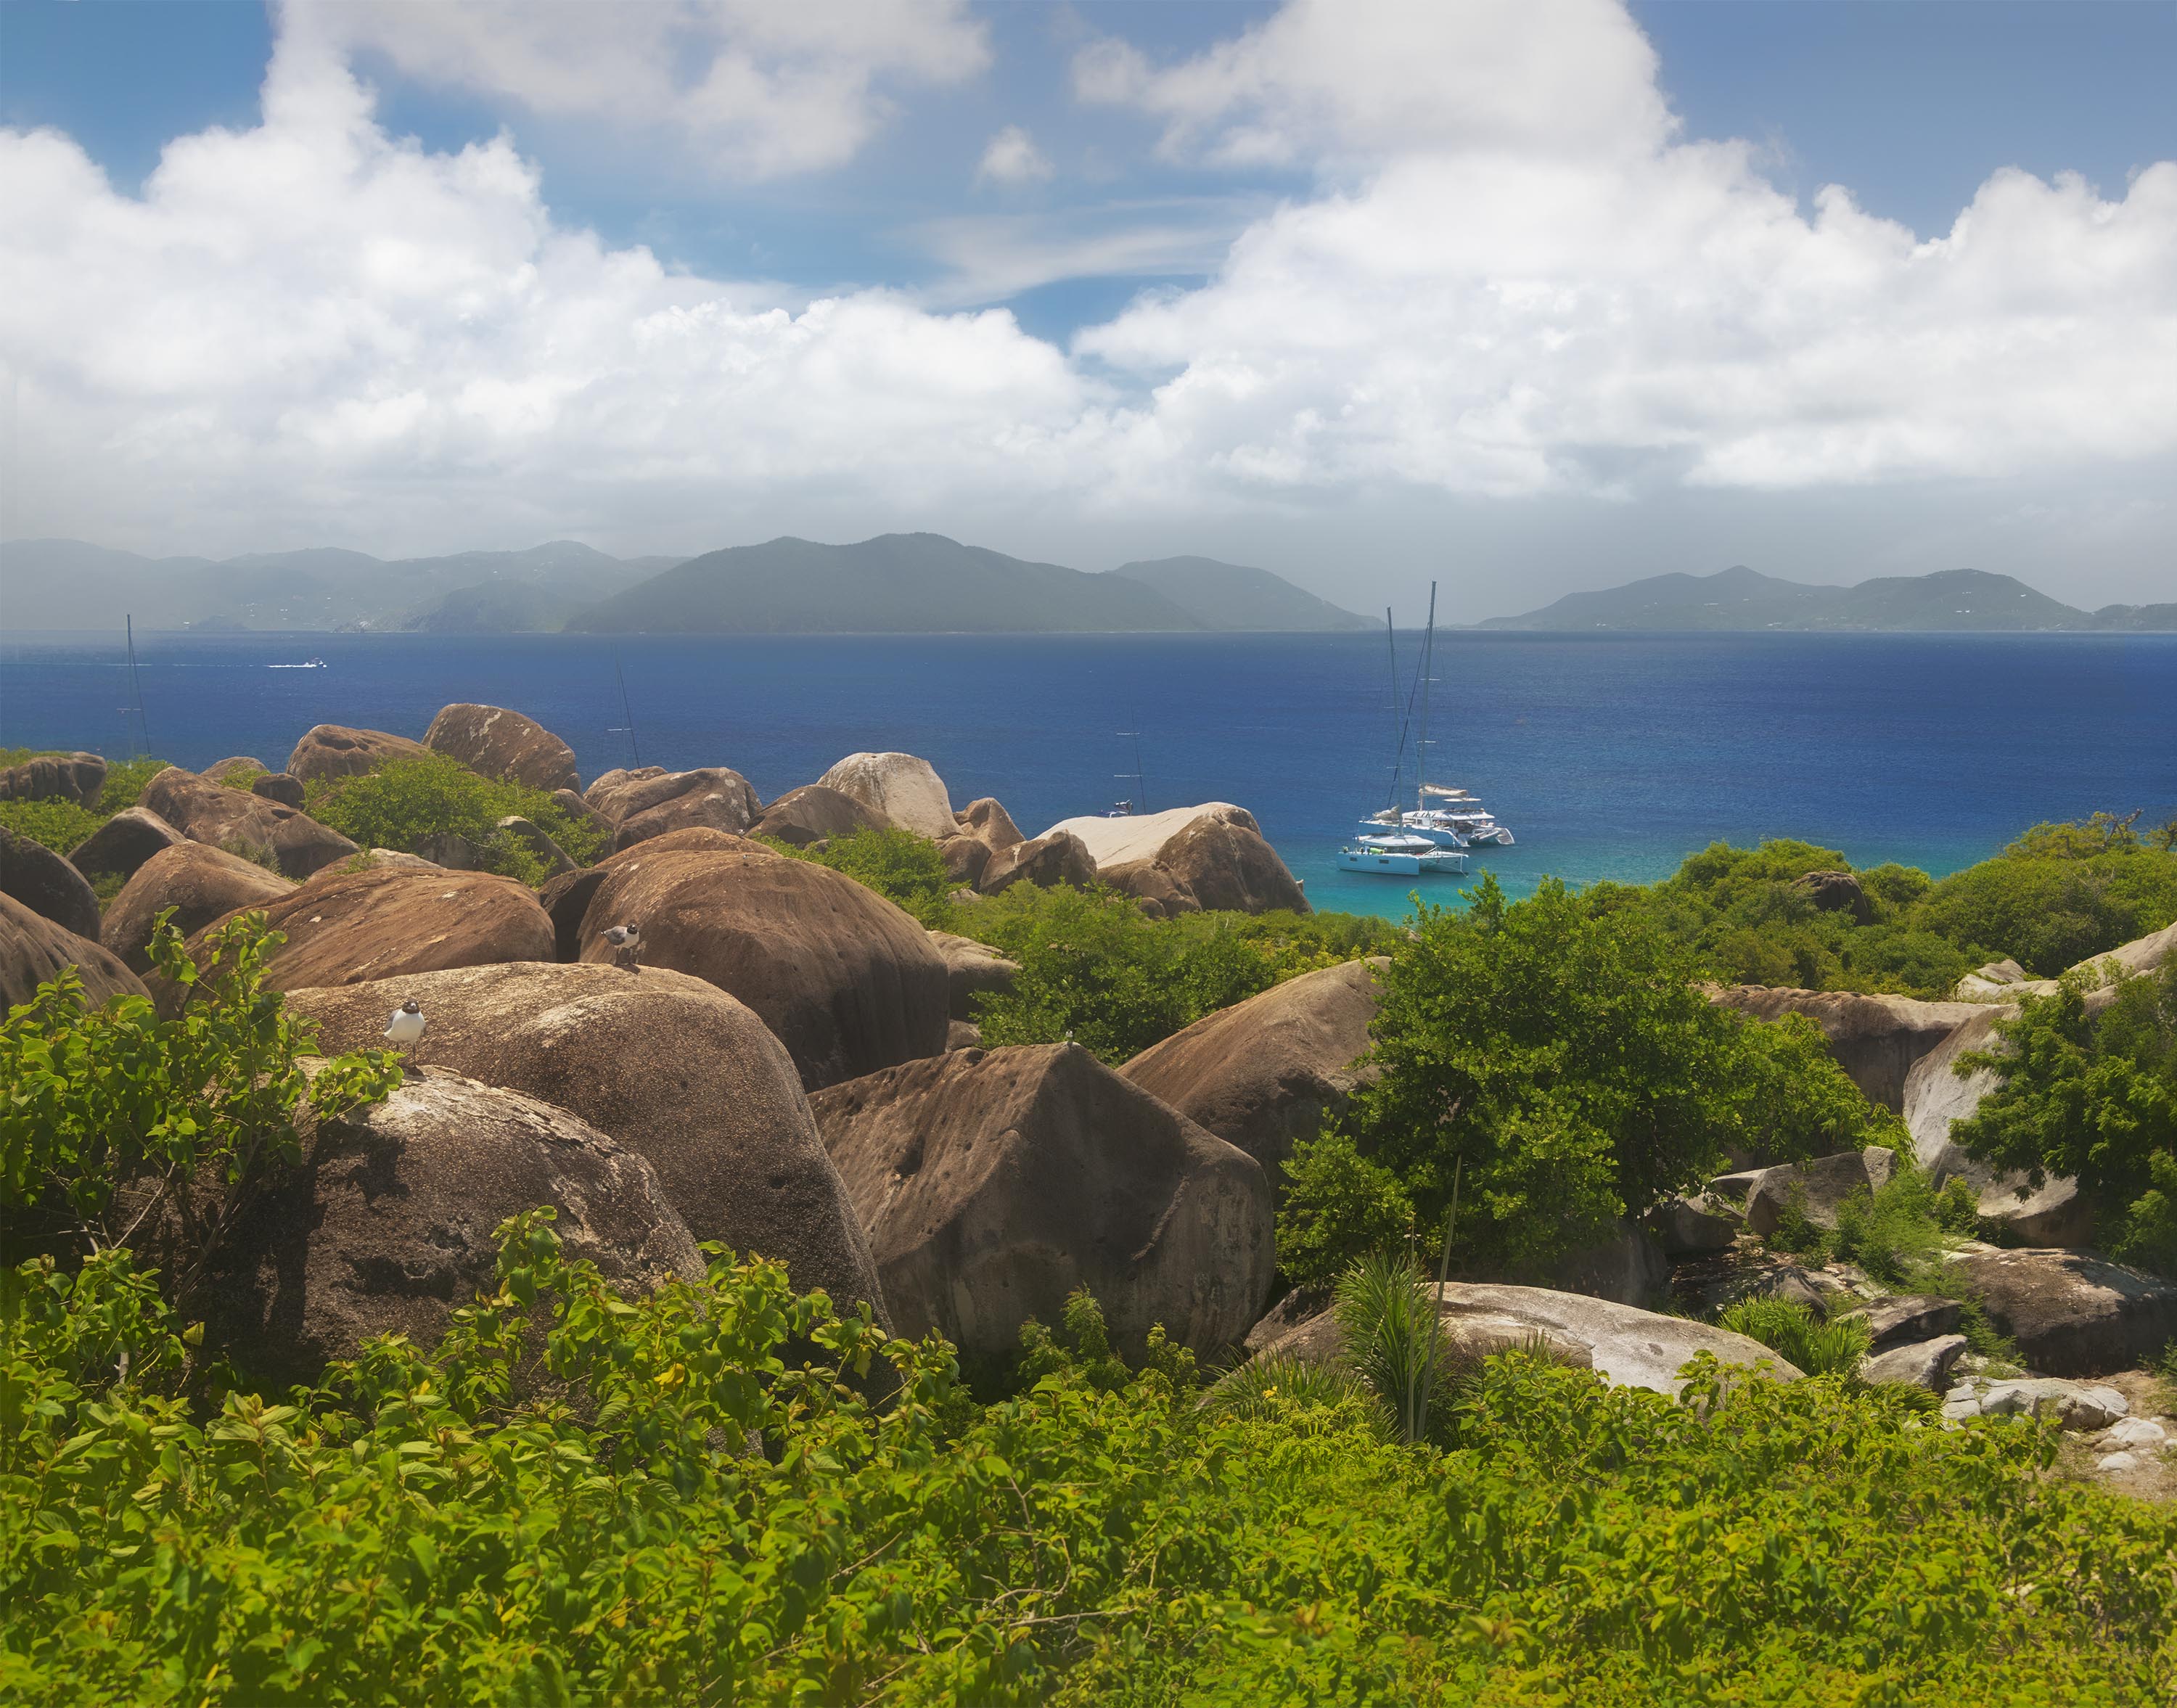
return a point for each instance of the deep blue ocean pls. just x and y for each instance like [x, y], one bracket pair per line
[1608, 756]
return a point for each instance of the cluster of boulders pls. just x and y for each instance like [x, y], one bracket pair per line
[790, 1068]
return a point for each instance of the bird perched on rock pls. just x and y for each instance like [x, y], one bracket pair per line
[626, 943]
[406, 1026]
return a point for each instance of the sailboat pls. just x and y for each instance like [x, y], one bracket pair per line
[1390, 843]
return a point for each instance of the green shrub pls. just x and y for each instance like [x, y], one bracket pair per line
[240, 779]
[1797, 1336]
[1895, 1230]
[689, 1498]
[125, 783]
[1564, 1060]
[59, 825]
[905, 869]
[406, 800]
[1337, 1203]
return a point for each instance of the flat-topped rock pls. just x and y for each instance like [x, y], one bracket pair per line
[898, 789]
[2072, 1313]
[1141, 836]
[1897, 1319]
[1916, 1363]
[1212, 856]
[33, 949]
[670, 1067]
[1876, 1039]
[1816, 1187]
[334, 749]
[1265, 1073]
[200, 882]
[502, 743]
[46, 883]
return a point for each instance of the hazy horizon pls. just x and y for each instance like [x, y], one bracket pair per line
[1528, 299]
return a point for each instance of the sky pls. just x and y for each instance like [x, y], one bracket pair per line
[1526, 296]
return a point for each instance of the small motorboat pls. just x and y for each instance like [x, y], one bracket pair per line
[1399, 855]
[307, 664]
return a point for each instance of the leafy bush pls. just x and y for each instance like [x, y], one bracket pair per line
[125, 783]
[1797, 1336]
[406, 800]
[1564, 1060]
[119, 1125]
[1894, 1230]
[59, 825]
[690, 1498]
[1097, 970]
[2093, 1098]
[905, 869]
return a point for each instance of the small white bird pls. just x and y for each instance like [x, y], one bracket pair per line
[406, 1026]
[626, 943]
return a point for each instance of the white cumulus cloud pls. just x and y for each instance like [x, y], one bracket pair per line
[1012, 158]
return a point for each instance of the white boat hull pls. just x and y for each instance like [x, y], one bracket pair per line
[1436, 862]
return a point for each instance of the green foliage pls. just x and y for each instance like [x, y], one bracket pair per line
[1337, 1202]
[691, 1500]
[905, 869]
[2093, 1098]
[117, 1122]
[1394, 1342]
[1096, 969]
[242, 777]
[406, 800]
[1317, 1397]
[59, 825]
[125, 783]
[2058, 894]
[1896, 1230]
[1565, 1058]
[1797, 1336]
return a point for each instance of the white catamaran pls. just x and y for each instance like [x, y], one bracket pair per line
[1445, 820]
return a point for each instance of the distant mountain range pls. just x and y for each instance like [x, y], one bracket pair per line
[1741, 599]
[896, 583]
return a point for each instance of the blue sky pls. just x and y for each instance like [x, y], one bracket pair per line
[1113, 251]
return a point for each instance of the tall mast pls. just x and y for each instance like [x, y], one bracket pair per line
[1421, 749]
[136, 686]
[625, 710]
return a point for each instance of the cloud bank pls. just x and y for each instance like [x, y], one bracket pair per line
[1515, 280]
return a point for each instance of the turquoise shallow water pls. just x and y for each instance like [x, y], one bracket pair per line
[1609, 755]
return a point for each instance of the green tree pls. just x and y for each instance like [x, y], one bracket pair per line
[1566, 1060]
[406, 800]
[905, 869]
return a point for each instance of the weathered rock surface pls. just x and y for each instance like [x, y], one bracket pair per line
[1875, 1039]
[76, 776]
[972, 970]
[992, 1183]
[1693, 1227]
[372, 858]
[200, 882]
[1708, 1284]
[123, 842]
[1900, 1319]
[280, 787]
[211, 812]
[386, 1225]
[966, 860]
[1919, 1363]
[666, 1065]
[987, 830]
[33, 948]
[898, 789]
[567, 897]
[581, 810]
[2072, 1313]
[1629, 1347]
[2140, 955]
[1189, 857]
[502, 743]
[334, 750]
[848, 982]
[46, 883]
[962, 1034]
[1999, 981]
[1468, 1336]
[2075, 1406]
[237, 770]
[1834, 893]
[813, 813]
[1045, 862]
[348, 927]
[532, 836]
[1265, 1073]
[1624, 1264]
[652, 802]
[1817, 1188]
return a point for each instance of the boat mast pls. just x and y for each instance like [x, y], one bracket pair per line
[1421, 747]
[136, 686]
[625, 710]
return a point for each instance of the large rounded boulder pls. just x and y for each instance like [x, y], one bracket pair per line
[123, 842]
[1187, 858]
[1045, 862]
[1265, 1073]
[2071, 1313]
[813, 813]
[386, 1225]
[347, 928]
[211, 812]
[46, 883]
[848, 982]
[992, 1183]
[652, 802]
[77, 777]
[668, 1066]
[502, 743]
[899, 791]
[334, 749]
[1876, 1039]
[33, 949]
[200, 882]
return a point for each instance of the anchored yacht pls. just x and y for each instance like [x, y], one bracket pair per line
[1400, 855]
